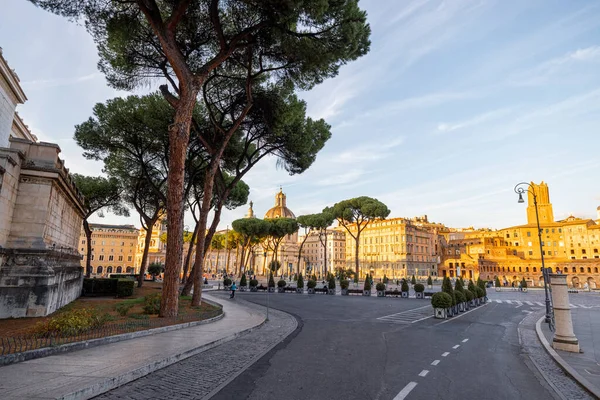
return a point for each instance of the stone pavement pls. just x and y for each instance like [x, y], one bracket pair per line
[205, 374]
[87, 373]
[586, 324]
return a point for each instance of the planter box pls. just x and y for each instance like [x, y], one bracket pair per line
[420, 295]
[271, 290]
[300, 290]
[243, 288]
[498, 289]
[440, 313]
[455, 309]
[467, 305]
[449, 312]
[381, 293]
[366, 292]
[461, 307]
[281, 289]
[253, 289]
[311, 290]
[405, 295]
[344, 292]
[331, 291]
[473, 303]
[227, 287]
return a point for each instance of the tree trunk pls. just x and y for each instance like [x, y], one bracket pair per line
[356, 255]
[147, 240]
[179, 135]
[88, 239]
[188, 258]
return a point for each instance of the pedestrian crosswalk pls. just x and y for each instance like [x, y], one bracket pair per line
[410, 316]
[536, 303]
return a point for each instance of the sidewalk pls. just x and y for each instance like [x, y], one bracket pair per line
[584, 367]
[87, 373]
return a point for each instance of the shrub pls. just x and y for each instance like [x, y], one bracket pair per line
[524, 283]
[355, 278]
[274, 265]
[479, 292]
[460, 297]
[458, 286]
[429, 281]
[123, 308]
[345, 284]
[312, 284]
[441, 300]
[413, 280]
[99, 287]
[314, 277]
[281, 283]
[481, 284]
[73, 322]
[385, 279]
[447, 288]
[331, 282]
[419, 287]
[404, 286]
[243, 281]
[152, 303]
[271, 280]
[227, 282]
[253, 283]
[155, 269]
[471, 286]
[469, 295]
[380, 286]
[367, 285]
[300, 282]
[125, 287]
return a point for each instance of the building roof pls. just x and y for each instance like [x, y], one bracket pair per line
[280, 210]
[12, 80]
[105, 226]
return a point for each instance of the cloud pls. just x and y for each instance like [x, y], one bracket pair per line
[368, 152]
[445, 127]
[49, 83]
[340, 179]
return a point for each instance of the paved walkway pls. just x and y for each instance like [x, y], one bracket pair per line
[586, 324]
[87, 373]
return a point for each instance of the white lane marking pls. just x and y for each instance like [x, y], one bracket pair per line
[456, 347]
[508, 301]
[527, 311]
[529, 303]
[445, 354]
[462, 315]
[404, 392]
[582, 306]
[520, 305]
[498, 301]
[435, 362]
[572, 305]
[465, 340]
[538, 303]
[424, 373]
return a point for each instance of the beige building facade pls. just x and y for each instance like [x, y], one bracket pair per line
[314, 260]
[114, 249]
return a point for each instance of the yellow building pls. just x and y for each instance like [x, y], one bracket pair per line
[113, 249]
[397, 248]
[313, 254]
[571, 246]
[157, 252]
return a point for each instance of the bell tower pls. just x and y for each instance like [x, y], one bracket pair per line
[545, 212]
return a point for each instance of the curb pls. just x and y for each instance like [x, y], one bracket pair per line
[87, 344]
[587, 385]
[113, 382]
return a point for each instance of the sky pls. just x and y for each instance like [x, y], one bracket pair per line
[456, 103]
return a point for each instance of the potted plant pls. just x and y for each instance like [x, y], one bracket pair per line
[300, 285]
[441, 302]
[271, 284]
[385, 279]
[419, 289]
[243, 283]
[497, 284]
[404, 288]
[311, 285]
[472, 288]
[344, 285]
[524, 285]
[253, 285]
[281, 286]
[480, 295]
[367, 287]
[429, 282]
[331, 285]
[380, 287]
[413, 280]
[469, 299]
[447, 288]
[481, 284]
[460, 300]
[227, 283]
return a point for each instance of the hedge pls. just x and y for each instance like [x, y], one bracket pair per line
[469, 295]
[281, 283]
[125, 287]
[460, 296]
[311, 284]
[100, 286]
[441, 300]
[419, 287]
[380, 287]
[344, 284]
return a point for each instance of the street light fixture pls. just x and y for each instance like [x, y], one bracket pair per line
[520, 189]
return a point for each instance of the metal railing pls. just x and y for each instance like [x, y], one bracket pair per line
[33, 341]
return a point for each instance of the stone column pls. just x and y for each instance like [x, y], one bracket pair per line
[564, 337]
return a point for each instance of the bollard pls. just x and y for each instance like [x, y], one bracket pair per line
[564, 337]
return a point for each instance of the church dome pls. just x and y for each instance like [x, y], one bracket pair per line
[280, 210]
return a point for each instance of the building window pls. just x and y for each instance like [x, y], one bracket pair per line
[572, 251]
[528, 234]
[101, 258]
[582, 251]
[581, 269]
[99, 269]
[119, 270]
[534, 269]
[83, 241]
[110, 258]
[128, 258]
[120, 258]
[530, 252]
[589, 270]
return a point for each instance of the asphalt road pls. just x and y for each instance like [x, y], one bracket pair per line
[343, 351]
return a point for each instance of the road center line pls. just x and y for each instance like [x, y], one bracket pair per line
[404, 392]
[445, 354]
[435, 362]
[424, 373]
[456, 347]
[465, 340]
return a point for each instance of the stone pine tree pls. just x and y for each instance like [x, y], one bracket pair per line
[198, 45]
[251, 231]
[278, 229]
[321, 222]
[355, 215]
[100, 194]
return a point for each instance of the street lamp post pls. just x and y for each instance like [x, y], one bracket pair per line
[519, 189]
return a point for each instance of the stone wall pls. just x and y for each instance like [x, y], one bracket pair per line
[10, 168]
[8, 104]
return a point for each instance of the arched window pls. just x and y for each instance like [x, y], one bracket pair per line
[129, 270]
[534, 269]
[526, 269]
[451, 265]
[589, 270]
[109, 270]
[99, 269]
[581, 269]
[596, 270]
[573, 270]
[520, 269]
[119, 270]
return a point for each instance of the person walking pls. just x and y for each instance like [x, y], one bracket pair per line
[233, 289]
